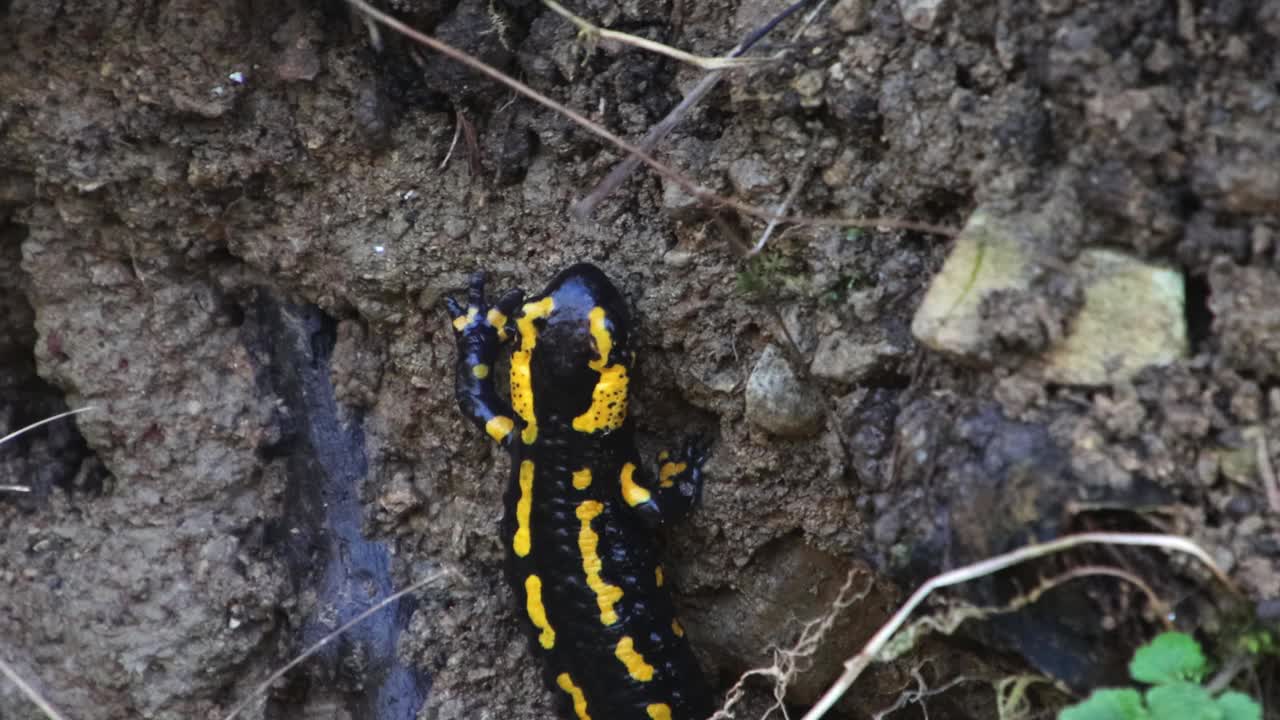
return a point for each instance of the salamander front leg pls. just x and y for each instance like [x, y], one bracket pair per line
[479, 331]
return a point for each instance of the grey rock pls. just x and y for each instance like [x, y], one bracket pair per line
[920, 14]
[752, 176]
[777, 401]
[847, 359]
[850, 16]
[1240, 172]
[1243, 301]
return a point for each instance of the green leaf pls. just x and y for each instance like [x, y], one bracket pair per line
[1238, 706]
[1170, 657]
[1182, 701]
[1124, 704]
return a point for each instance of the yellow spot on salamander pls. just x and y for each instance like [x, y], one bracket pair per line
[589, 546]
[657, 575]
[579, 700]
[582, 479]
[481, 371]
[462, 321]
[521, 542]
[676, 628]
[631, 492]
[668, 471]
[663, 456]
[609, 397]
[537, 612]
[499, 427]
[636, 666]
[498, 321]
[521, 365]
[658, 711]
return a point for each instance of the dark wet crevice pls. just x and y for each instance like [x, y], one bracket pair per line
[50, 457]
[1198, 315]
[322, 452]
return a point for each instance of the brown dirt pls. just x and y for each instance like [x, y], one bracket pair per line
[149, 202]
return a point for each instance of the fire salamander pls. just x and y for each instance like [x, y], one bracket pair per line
[581, 509]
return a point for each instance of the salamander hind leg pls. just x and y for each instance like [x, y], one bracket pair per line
[677, 489]
[680, 478]
[479, 331]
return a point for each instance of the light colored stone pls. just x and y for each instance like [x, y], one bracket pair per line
[1132, 318]
[400, 496]
[808, 85]
[777, 401]
[988, 255]
[677, 258]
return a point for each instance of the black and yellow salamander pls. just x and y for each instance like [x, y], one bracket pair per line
[581, 508]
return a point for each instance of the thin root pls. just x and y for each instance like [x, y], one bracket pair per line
[921, 693]
[45, 421]
[788, 662]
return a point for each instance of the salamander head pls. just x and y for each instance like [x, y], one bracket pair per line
[577, 336]
[578, 292]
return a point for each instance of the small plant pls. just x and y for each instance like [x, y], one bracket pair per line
[1174, 666]
[1259, 642]
[767, 276]
[844, 286]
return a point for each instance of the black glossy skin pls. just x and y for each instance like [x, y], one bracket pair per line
[562, 383]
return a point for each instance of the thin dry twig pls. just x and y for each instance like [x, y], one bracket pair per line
[797, 184]
[1227, 674]
[878, 642]
[594, 33]
[950, 620]
[1159, 607]
[582, 209]
[266, 684]
[473, 145]
[1267, 472]
[457, 133]
[32, 694]
[685, 183]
